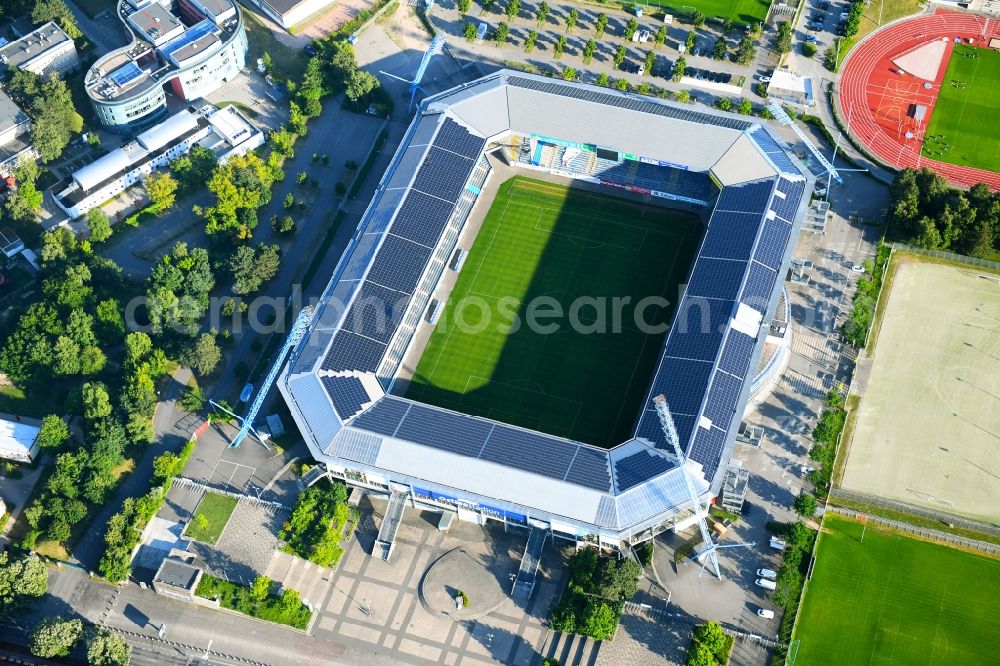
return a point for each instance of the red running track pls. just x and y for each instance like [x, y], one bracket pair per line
[875, 99]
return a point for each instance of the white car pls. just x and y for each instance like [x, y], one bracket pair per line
[766, 573]
[806, 470]
[857, 268]
[777, 544]
[764, 79]
[765, 583]
[765, 613]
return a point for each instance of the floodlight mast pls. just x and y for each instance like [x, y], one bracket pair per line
[670, 430]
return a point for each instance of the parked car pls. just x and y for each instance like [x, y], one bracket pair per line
[310, 49]
[767, 573]
[246, 393]
[806, 469]
[857, 268]
[763, 79]
[765, 613]
[777, 544]
[811, 39]
[765, 583]
[815, 26]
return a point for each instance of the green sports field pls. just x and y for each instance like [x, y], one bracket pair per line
[542, 247]
[740, 11]
[895, 600]
[965, 117]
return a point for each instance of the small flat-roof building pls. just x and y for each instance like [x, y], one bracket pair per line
[19, 438]
[791, 87]
[13, 121]
[156, 24]
[177, 578]
[291, 13]
[44, 50]
[10, 243]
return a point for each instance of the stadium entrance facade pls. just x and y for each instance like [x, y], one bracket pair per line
[341, 381]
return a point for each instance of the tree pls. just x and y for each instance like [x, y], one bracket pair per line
[603, 79]
[621, 84]
[711, 636]
[241, 186]
[542, 13]
[501, 34]
[161, 188]
[470, 32]
[251, 267]
[65, 356]
[697, 19]
[21, 580]
[630, 29]
[107, 648]
[96, 402]
[600, 25]
[55, 637]
[808, 49]
[55, 10]
[464, 6]
[679, 67]
[571, 19]
[700, 655]
[588, 51]
[650, 61]
[560, 46]
[720, 49]
[784, 37]
[513, 9]
[529, 43]
[619, 57]
[260, 588]
[193, 170]
[54, 118]
[570, 74]
[193, 399]
[724, 103]
[805, 505]
[53, 432]
[745, 107]
[359, 84]
[689, 41]
[298, 121]
[202, 354]
[100, 227]
[746, 51]
[661, 36]
[684, 96]
[25, 202]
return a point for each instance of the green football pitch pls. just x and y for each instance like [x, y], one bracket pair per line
[545, 248]
[895, 600]
[740, 11]
[961, 130]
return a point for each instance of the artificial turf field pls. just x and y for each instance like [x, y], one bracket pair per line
[740, 11]
[965, 117]
[548, 244]
[895, 600]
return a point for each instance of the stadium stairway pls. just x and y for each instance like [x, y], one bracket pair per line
[525, 581]
[386, 540]
[572, 649]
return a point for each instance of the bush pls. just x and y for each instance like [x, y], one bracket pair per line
[592, 602]
[317, 521]
[808, 49]
[285, 609]
[645, 553]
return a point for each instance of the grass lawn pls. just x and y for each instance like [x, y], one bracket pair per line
[216, 510]
[964, 116]
[886, 10]
[288, 63]
[740, 11]
[896, 600]
[548, 248]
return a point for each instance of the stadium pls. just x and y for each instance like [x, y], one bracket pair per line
[715, 192]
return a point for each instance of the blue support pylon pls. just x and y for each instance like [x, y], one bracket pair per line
[294, 336]
[436, 45]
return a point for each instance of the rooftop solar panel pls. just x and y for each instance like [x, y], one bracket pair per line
[590, 469]
[443, 430]
[384, 417]
[757, 289]
[683, 383]
[717, 278]
[421, 218]
[192, 34]
[126, 73]
[375, 312]
[347, 395]
[731, 235]
[443, 174]
[745, 198]
[638, 467]
[349, 351]
[707, 449]
[529, 451]
[736, 353]
[786, 207]
[399, 264]
[722, 398]
[698, 328]
[773, 240]
[457, 139]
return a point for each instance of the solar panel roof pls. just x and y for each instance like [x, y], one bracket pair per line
[126, 73]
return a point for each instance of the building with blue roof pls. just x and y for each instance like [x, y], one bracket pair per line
[341, 381]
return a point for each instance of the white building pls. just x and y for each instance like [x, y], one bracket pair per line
[290, 13]
[193, 49]
[14, 123]
[19, 438]
[44, 50]
[225, 131]
[791, 87]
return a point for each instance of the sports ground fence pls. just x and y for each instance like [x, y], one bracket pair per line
[948, 256]
[919, 531]
[923, 512]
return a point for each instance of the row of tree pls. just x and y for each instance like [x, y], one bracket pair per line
[926, 212]
[592, 602]
[313, 530]
[709, 646]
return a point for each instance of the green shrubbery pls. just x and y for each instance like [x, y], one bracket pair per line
[257, 600]
[826, 436]
[865, 301]
[592, 602]
[316, 525]
[709, 646]
[799, 541]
